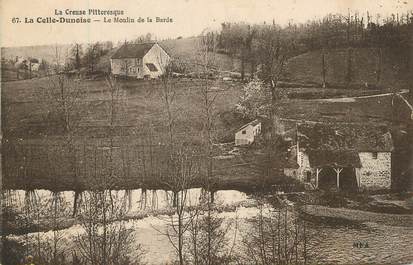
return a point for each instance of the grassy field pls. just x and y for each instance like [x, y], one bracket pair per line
[187, 50]
[377, 109]
[27, 114]
[35, 137]
[308, 68]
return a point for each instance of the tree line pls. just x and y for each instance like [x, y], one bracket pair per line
[247, 42]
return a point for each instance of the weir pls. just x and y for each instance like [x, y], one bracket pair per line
[135, 201]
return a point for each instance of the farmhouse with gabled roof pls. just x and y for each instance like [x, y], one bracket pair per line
[344, 156]
[142, 60]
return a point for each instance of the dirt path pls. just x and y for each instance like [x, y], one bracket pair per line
[353, 99]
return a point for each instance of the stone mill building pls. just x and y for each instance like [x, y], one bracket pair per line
[343, 156]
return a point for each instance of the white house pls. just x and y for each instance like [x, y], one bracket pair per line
[34, 64]
[247, 133]
[31, 64]
[19, 60]
[349, 156]
[143, 60]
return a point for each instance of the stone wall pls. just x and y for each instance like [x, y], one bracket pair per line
[375, 172]
[291, 172]
[304, 167]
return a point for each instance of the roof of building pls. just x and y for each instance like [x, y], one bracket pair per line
[132, 50]
[289, 160]
[338, 144]
[345, 137]
[326, 158]
[252, 123]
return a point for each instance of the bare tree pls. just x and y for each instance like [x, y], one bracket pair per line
[105, 238]
[276, 236]
[207, 241]
[64, 96]
[379, 65]
[207, 48]
[148, 37]
[276, 49]
[92, 55]
[323, 68]
[54, 248]
[349, 66]
[49, 251]
[247, 37]
[77, 52]
[183, 170]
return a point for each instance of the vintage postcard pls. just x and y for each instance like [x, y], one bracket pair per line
[206, 132]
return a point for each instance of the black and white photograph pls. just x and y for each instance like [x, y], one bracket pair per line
[195, 132]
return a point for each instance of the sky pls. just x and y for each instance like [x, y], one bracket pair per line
[190, 17]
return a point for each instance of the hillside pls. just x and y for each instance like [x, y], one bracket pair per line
[45, 52]
[364, 64]
[185, 50]
[304, 68]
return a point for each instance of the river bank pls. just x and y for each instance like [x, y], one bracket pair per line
[328, 215]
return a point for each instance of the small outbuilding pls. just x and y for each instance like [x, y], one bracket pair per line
[246, 134]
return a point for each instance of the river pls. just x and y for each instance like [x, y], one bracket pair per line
[382, 244]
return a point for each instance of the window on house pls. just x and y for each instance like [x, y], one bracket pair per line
[244, 132]
[152, 67]
[374, 155]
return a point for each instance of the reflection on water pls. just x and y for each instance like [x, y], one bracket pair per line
[137, 200]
